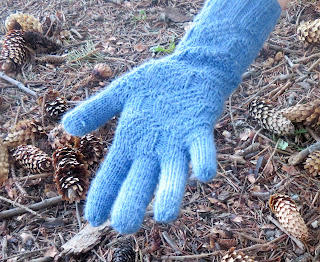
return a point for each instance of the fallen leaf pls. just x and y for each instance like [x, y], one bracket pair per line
[251, 178]
[51, 252]
[139, 48]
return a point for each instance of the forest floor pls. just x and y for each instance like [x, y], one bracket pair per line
[230, 211]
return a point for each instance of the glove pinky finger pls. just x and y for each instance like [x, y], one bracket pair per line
[203, 156]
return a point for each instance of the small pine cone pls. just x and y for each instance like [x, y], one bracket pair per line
[24, 132]
[309, 31]
[26, 21]
[55, 105]
[312, 164]
[58, 137]
[288, 216]
[71, 174]
[92, 148]
[124, 252]
[233, 256]
[269, 118]
[102, 71]
[33, 159]
[14, 52]
[309, 113]
[4, 162]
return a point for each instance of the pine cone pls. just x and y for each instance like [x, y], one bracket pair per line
[24, 132]
[58, 137]
[312, 164]
[309, 31]
[4, 163]
[124, 252]
[71, 174]
[288, 216]
[25, 21]
[233, 256]
[33, 159]
[55, 105]
[14, 52]
[92, 148]
[269, 118]
[309, 113]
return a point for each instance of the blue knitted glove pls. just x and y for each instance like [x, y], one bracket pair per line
[168, 110]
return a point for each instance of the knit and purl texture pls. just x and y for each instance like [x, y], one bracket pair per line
[168, 110]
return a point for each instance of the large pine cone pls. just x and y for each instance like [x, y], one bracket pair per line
[312, 164]
[24, 132]
[269, 118]
[26, 22]
[14, 52]
[308, 113]
[288, 216]
[4, 162]
[233, 256]
[309, 31]
[71, 173]
[33, 159]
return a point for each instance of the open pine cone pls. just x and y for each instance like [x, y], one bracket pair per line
[124, 252]
[14, 52]
[287, 213]
[92, 148]
[309, 31]
[24, 132]
[269, 118]
[4, 162]
[71, 173]
[55, 105]
[33, 159]
[26, 22]
[233, 256]
[312, 164]
[308, 114]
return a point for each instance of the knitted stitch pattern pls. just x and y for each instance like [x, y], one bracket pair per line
[168, 110]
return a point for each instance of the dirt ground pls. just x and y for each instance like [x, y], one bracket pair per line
[230, 211]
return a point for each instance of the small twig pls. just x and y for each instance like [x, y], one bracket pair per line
[26, 253]
[297, 158]
[18, 84]
[78, 216]
[316, 63]
[170, 242]
[297, 241]
[23, 209]
[258, 240]
[313, 134]
[32, 177]
[20, 188]
[261, 246]
[100, 257]
[189, 257]
[27, 209]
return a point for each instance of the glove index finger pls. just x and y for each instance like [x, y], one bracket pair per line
[94, 112]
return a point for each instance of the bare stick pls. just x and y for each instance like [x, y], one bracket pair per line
[171, 242]
[297, 158]
[18, 84]
[24, 209]
[294, 239]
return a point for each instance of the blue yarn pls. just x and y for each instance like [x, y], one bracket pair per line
[168, 110]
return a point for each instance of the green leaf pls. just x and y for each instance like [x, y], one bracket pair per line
[282, 144]
[300, 131]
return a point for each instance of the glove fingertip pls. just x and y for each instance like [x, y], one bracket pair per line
[72, 124]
